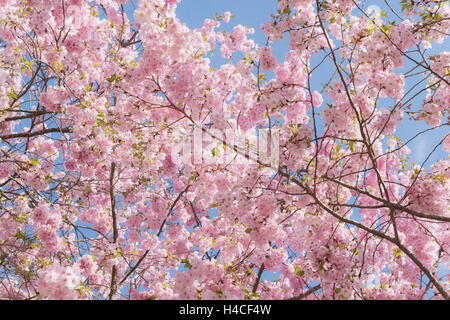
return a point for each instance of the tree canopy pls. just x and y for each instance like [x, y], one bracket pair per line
[132, 167]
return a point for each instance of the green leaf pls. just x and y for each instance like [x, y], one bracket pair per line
[352, 146]
[12, 94]
[299, 272]
[33, 162]
[385, 28]
[397, 252]
[114, 78]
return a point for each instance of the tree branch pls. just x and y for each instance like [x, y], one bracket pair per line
[115, 229]
[307, 293]
[258, 278]
[34, 133]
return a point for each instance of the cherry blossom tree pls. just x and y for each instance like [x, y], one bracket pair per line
[97, 201]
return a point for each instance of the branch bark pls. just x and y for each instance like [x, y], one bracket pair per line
[35, 133]
[307, 293]
[113, 288]
[258, 278]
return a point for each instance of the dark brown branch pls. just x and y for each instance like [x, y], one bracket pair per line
[34, 133]
[197, 220]
[392, 205]
[258, 278]
[134, 267]
[113, 202]
[307, 293]
[170, 210]
[115, 230]
[27, 116]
